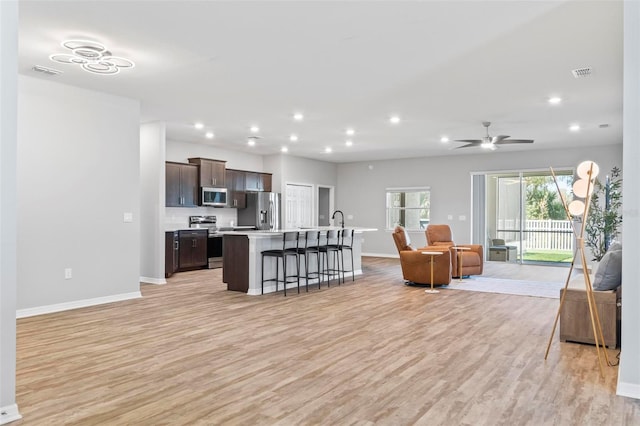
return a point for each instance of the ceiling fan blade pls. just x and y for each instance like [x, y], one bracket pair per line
[475, 141]
[498, 138]
[468, 145]
[508, 141]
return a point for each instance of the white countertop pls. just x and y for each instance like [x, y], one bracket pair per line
[268, 233]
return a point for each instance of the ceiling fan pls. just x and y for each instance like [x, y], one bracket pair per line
[491, 142]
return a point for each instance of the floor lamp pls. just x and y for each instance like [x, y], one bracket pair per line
[582, 188]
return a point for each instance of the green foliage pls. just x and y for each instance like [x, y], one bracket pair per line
[542, 199]
[605, 217]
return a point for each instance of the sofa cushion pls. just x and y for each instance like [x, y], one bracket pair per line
[609, 273]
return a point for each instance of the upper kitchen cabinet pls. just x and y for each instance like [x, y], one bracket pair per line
[181, 185]
[235, 188]
[266, 181]
[212, 172]
[258, 182]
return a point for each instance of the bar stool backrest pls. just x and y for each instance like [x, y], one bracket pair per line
[332, 237]
[346, 237]
[290, 241]
[311, 239]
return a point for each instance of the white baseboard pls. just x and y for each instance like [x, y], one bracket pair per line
[630, 390]
[58, 307]
[9, 414]
[396, 256]
[150, 280]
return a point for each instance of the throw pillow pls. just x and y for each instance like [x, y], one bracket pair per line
[615, 245]
[609, 272]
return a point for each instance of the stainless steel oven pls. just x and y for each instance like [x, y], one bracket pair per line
[214, 242]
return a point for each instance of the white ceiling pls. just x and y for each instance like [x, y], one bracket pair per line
[444, 67]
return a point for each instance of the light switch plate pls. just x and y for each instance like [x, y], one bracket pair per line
[350, 216]
[449, 217]
[127, 217]
[462, 217]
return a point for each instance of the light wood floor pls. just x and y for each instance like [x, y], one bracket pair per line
[370, 352]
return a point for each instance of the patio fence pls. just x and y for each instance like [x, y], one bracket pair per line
[539, 234]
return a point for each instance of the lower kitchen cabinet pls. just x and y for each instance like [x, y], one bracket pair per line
[193, 249]
[171, 253]
[235, 263]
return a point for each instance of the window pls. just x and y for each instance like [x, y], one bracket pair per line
[408, 207]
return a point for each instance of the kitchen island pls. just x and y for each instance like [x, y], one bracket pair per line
[241, 269]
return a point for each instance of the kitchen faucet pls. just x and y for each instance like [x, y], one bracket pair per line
[333, 216]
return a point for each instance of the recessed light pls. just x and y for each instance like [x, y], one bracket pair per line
[199, 126]
[350, 132]
[328, 150]
[349, 143]
[284, 149]
[298, 116]
[251, 142]
[555, 100]
[394, 119]
[293, 138]
[254, 129]
[574, 127]
[444, 139]
[209, 135]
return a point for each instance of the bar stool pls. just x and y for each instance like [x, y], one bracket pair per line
[331, 249]
[346, 243]
[289, 248]
[311, 246]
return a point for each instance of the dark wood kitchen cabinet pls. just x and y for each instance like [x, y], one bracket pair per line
[181, 182]
[235, 263]
[236, 196]
[212, 172]
[258, 182]
[265, 179]
[193, 249]
[171, 253]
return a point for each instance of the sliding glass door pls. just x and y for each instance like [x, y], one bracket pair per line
[525, 210]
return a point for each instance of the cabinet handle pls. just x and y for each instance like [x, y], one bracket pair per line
[193, 243]
[176, 245]
[214, 181]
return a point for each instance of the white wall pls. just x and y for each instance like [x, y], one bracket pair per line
[629, 372]
[78, 173]
[8, 145]
[152, 201]
[181, 151]
[361, 186]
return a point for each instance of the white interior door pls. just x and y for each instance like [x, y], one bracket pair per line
[299, 206]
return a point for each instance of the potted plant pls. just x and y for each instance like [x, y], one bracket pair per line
[605, 217]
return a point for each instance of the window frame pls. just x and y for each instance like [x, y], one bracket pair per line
[403, 209]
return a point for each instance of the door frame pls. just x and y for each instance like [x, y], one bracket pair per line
[332, 190]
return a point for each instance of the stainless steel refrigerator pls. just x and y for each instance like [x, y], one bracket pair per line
[262, 211]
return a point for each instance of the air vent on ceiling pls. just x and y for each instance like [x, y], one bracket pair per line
[45, 70]
[581, 72]
[603, 126]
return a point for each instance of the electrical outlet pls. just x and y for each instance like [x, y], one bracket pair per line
[127, 217]
[449, 217]
[350, 216]
[68, 273]
[462, 217]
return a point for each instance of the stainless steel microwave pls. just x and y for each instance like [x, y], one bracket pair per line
[216, 197]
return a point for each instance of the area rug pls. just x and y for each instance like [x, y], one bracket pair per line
[504, 286]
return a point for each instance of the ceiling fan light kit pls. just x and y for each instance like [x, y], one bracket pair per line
[491, 142]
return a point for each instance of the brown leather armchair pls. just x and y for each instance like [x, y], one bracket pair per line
[472, 260]
[416, 267]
